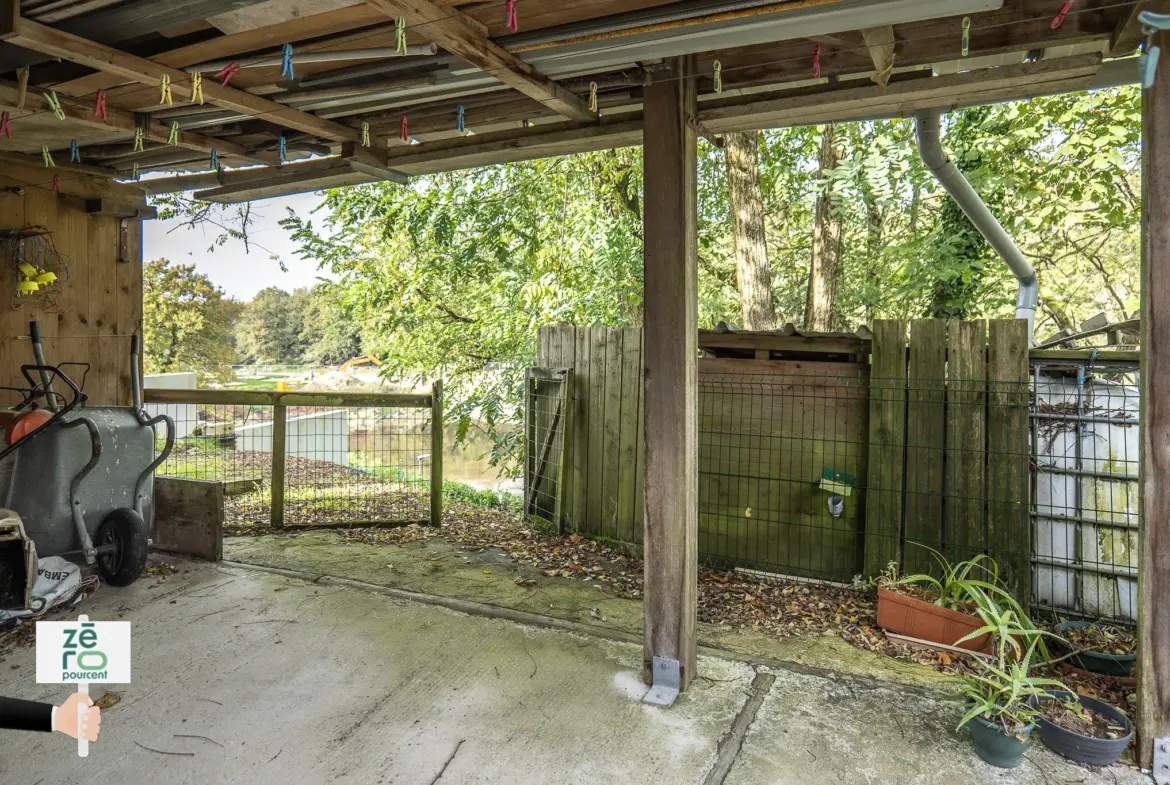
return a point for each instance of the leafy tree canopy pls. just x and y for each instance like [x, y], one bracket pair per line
[188, 322]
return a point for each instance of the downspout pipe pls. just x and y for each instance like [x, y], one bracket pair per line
[937, 161]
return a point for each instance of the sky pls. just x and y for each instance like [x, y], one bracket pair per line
[240, 274]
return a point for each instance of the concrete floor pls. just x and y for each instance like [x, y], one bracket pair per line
[259, 678]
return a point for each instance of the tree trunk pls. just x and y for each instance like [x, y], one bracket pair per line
[753, 273]
[819, 311]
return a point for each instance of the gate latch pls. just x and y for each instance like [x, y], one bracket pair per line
[667, 676]
[1162, 760]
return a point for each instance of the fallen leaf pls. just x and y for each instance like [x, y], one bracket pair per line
[108, 701]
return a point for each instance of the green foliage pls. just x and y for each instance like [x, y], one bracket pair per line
[999, 690]
[187, 321]
[303, 326]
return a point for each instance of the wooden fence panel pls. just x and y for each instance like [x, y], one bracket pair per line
[612, 436]
[964, 488]
[925, 443]
[580, 437]
[1008, 447]
[598, 340]
[887, 438]
[631, 436]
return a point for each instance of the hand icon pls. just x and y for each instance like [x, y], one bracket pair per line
[65, 717]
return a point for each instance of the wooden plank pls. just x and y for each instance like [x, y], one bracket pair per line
[437, 453]
[640, 470]
[612, 435]
[630, 433]
[1083, 355]
[464, 38]
[530, 479]
[271, 397]
[1153, 690]
[965, 532]
[887, 440]
[128, 286]
[103, 300]
[804, 368]
[670, 533]
[925, 444]
[565, 405]
[580, 481]
[834, 344]
[1009, 539]
[598, 339]
[188, 517]
[76, 49]
[279, 447]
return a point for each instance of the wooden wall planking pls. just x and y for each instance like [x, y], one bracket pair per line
[1008, 454]
[101, 305]
[887, 440]
[925, 443]
[966, 420]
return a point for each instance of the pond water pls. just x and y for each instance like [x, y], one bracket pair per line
[400, 444]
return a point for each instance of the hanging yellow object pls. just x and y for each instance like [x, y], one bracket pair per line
[27, 270]
[45, 278]
[27, 287]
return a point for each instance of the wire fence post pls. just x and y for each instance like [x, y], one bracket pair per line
[566, 430]
[279, 424]
[437, 453]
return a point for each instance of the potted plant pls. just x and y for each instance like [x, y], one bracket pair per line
[1004, 699]
[945, 609]
[1081, 728]
[1098, 647]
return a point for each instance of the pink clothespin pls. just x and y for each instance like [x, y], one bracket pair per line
[227, 72]
[6, 124]
[511, 18]
[99, 105]
[816, 61]
[1059, 20]
[57, 184]
[405, 134]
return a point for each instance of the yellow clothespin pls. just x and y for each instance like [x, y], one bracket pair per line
[173, 137]
[718, 77]
[365, 134]
[164, 95]
[55, 104]
[966, 35]
[593, 96]
[197, 88]
[47, 156]
[138, 148]
[400, 35]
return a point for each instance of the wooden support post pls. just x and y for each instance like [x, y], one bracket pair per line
[670, 530]
[279, 448]
[437, 453]
[1153, 715]
[566, 406]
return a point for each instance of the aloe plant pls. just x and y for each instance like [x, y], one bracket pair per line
[974, 582]
[1000, 689]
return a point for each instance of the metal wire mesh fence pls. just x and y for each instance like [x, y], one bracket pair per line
[308, 459]
[548, 416]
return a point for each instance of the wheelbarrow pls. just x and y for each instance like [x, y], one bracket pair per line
[83, 481]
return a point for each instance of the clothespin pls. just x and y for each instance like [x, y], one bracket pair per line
[74, 152]
[6, 124]
[214, 160]
[400, 34]
[966, 35]
[1059, 20]
[816, 61]
[138, 135]
[55, 104]
[99, 105]
[47, 156]
[365, 134]
[511, 18]
[134, 173]
[286, 62]
[459, 124]
[227, 72]
[282, 149]
[718, 76]
[173, 136]
[197, 88]
[57, 184]
[1148, 62]
[593, 97]
[405, 133]
[164, 91]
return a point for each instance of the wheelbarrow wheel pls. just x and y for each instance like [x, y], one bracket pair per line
[123, 564]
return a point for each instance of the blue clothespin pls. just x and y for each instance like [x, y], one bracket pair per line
[74, 152]
[286, 62]
[283, 149]
[1148, 64]
[214, 160]
[459, 119]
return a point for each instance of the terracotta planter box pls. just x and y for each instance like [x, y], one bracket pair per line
[905, 615]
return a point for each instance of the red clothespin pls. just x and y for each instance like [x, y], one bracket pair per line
[816, 61]
[405, 134]
[1059, 20]
[99, 105]
[57, 184]
[6, 124]
[227, 72]
[510, 16]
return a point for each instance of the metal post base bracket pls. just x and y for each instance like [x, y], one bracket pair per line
[667, 678]
[1162, 761]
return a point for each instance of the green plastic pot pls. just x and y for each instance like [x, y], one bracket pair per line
[996, 746]
[1095, 661]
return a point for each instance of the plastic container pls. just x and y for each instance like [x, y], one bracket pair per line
[1095, 661]
[1083, 749]
[996, 746]
[926, 621]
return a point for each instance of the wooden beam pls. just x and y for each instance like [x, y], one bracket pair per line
[670, 216]
[36, 102]
[1128, 35]
[137, 69]
[62, 167]
[882, 45]
[354, 167]
[459, 36]
[1153, 688]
